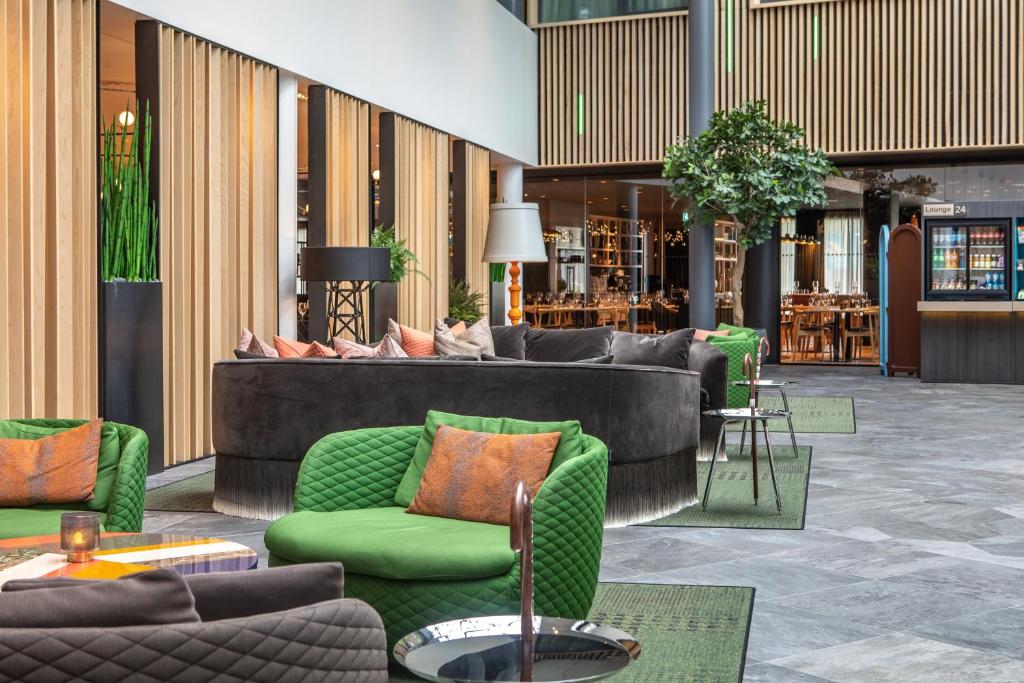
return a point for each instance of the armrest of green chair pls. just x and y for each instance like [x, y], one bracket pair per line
[568, 526]
[127, 498]
[355, 470]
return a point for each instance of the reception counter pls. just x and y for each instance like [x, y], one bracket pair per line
[972, 341]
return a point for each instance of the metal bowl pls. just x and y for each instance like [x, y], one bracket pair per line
[484, 649]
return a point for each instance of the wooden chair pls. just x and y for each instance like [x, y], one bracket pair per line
[812, 334]
[864, 327]
[645, 320]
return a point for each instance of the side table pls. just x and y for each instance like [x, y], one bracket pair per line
[753, 416]
[779, 386]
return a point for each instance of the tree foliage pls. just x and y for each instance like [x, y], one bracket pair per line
[748, 167]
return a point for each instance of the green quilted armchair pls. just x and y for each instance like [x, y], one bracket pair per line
[739, 342]
[417, 570]
[120, 480]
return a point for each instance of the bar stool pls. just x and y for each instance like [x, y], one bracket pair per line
[779, 386]
[753, 416]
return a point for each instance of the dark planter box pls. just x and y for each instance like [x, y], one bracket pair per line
[383, 305]
[497, 304]
[131, 361]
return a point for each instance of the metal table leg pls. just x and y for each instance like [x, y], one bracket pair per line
[771, 465]
[711, 469]
[789, 419]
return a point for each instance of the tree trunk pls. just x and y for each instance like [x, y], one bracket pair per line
[737, 285]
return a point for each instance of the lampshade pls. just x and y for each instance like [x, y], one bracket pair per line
[336, 264]
[514, 234]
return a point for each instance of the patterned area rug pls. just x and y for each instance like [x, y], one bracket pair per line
[731, 505]
[811, 414]
[194, 494]
[686, 633]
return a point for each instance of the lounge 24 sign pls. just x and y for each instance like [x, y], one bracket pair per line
[938, 210]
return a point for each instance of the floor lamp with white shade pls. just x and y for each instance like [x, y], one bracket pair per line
[514, 236]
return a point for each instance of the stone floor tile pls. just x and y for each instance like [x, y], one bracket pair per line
[1001, 632]
[904, 658]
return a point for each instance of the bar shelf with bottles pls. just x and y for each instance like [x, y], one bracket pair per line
[972, 324]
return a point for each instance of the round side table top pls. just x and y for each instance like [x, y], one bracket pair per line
[484, 649]
[747, 414]
[770, 383]
[120, 554]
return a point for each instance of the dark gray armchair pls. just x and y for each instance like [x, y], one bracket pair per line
[324, 640]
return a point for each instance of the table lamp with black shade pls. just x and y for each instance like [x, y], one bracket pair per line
[347, 273]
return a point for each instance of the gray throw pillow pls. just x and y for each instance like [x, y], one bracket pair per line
[476, 340]
[159, 596]
[230, 595]
[567, 346]
[668, 351]
[510, 340]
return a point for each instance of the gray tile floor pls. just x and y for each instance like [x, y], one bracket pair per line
[911, 567]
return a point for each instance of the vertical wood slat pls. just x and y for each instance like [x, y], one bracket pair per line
[415, 191]
[875, 86]
[48, 211]
[218, 206]
[339, 174]
[478, 204]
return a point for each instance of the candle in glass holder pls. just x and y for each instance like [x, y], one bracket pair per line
[80, 535]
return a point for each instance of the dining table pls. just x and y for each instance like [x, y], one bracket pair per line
[578, 313]
[838, 315]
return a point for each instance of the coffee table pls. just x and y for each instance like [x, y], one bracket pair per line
[122, 553]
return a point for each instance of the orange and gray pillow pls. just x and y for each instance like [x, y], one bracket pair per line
[55, 469]
[472, 475]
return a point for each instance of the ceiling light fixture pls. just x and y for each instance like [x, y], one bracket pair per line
[126, 119]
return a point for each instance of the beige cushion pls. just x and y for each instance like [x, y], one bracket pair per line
[475, 341]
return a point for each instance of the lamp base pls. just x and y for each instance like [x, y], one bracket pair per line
[515, 313]
[345, 309]
[81, 556]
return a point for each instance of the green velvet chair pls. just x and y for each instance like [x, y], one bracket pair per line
[416, 570]
[739, 342]
[120, 480]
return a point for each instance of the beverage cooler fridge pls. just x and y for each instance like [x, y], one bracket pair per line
[1020, 259]
[969, 259]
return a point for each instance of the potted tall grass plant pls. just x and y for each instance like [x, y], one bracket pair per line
[132, 313]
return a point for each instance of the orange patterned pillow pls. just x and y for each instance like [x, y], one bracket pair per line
[289, 348]
[318, 350]
[413, 341]
[54, 469]
[472, 475]
[458, 328]
[702, 335]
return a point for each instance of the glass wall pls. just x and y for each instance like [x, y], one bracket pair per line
[829, 256]
[573, 10]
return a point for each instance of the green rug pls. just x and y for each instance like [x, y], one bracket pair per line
[732, 498]
[811, 414]
[194, 494]
[686, 633]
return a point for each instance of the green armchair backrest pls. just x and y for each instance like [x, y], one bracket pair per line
[125, 504]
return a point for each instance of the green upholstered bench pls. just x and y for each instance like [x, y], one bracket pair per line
[416, 570]
[120, 480]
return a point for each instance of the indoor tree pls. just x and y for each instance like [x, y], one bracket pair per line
[750, 169]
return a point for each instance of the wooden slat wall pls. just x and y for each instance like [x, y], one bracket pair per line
[218, 222]
[48, 195]
[348, 171]
[905, 76]
[478, 206]
[348, 174]
[631, 74]
[421, 218]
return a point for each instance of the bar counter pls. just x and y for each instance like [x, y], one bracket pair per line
[972, 341]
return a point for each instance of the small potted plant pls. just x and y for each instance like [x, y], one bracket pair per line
[384, 295]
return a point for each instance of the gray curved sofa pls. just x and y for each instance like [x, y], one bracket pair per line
[267, 413]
